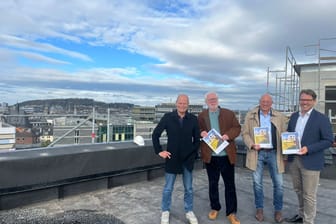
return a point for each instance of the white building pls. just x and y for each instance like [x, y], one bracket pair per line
[7, 137]
[322, 79]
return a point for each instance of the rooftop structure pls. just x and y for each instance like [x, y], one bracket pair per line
[285, 84]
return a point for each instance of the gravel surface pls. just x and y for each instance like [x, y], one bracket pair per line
[68, 217]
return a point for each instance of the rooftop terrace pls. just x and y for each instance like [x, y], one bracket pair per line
[139, 203]
[121, 183]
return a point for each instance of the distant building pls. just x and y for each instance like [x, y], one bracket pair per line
[117, 133]
[46, 138]
[163, 108]
[140, 113]
[240, 115]
[24, 136]
[121, 132]
[7, 137]
[42, 129]
[17, 117]
[69, 131]
[144, 129]
[4, 108]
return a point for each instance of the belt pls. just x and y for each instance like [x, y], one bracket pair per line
[267, 149]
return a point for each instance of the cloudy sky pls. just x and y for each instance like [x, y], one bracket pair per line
[147, 51]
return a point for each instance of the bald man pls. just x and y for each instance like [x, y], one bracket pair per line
[256, 157]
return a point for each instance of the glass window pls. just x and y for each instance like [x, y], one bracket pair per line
[330, 104]
[330, 98]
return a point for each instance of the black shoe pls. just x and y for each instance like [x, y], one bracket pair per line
[295, 219]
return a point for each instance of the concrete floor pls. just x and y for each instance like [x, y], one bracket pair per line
[139, 203]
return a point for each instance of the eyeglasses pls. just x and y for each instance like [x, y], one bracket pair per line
[306, 100]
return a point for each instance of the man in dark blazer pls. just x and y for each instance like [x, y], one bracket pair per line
[315, 133]
[182, 148]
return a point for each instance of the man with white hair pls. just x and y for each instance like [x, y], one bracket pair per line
[224, 121]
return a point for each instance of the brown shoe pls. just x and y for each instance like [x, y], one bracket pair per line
[278, 217]
[213, 214]
[260, 215]
[233, 219]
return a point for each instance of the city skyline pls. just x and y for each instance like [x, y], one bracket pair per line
[147, 52]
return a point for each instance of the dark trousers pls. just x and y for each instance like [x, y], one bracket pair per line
[220, 165]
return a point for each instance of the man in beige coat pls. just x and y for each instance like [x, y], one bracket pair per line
[276, 123]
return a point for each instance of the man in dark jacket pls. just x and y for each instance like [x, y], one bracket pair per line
[182, 146]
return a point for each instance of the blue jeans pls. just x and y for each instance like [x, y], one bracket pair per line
[169, 187]
[269, 158]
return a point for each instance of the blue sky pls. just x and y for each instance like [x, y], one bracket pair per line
[146, 52]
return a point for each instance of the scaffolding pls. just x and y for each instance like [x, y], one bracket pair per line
[285, 89]
[326, 54]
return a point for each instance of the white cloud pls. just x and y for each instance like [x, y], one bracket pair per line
[190, 46]
[24, 44]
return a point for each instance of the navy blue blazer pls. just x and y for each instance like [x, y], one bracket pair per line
[317, 136]
[183, 141]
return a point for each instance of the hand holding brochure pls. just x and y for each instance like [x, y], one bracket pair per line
[290, 143]
[215, 141]
[262, 137]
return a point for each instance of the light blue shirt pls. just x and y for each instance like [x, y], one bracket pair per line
[213, 116]
[265, 121]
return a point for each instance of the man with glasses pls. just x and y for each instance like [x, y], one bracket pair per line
[315, 134]
[222, 164]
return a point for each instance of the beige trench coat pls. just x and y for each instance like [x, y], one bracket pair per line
[252, 120]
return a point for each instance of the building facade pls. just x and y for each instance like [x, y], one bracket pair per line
[7, 137]
[69, 131]
[322, 79]
[140, 113]
[163, 108]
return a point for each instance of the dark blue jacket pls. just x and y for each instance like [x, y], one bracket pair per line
[317, 136]
[183, 141]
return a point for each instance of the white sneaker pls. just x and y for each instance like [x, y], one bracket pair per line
[165, 217]
[191, 217]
